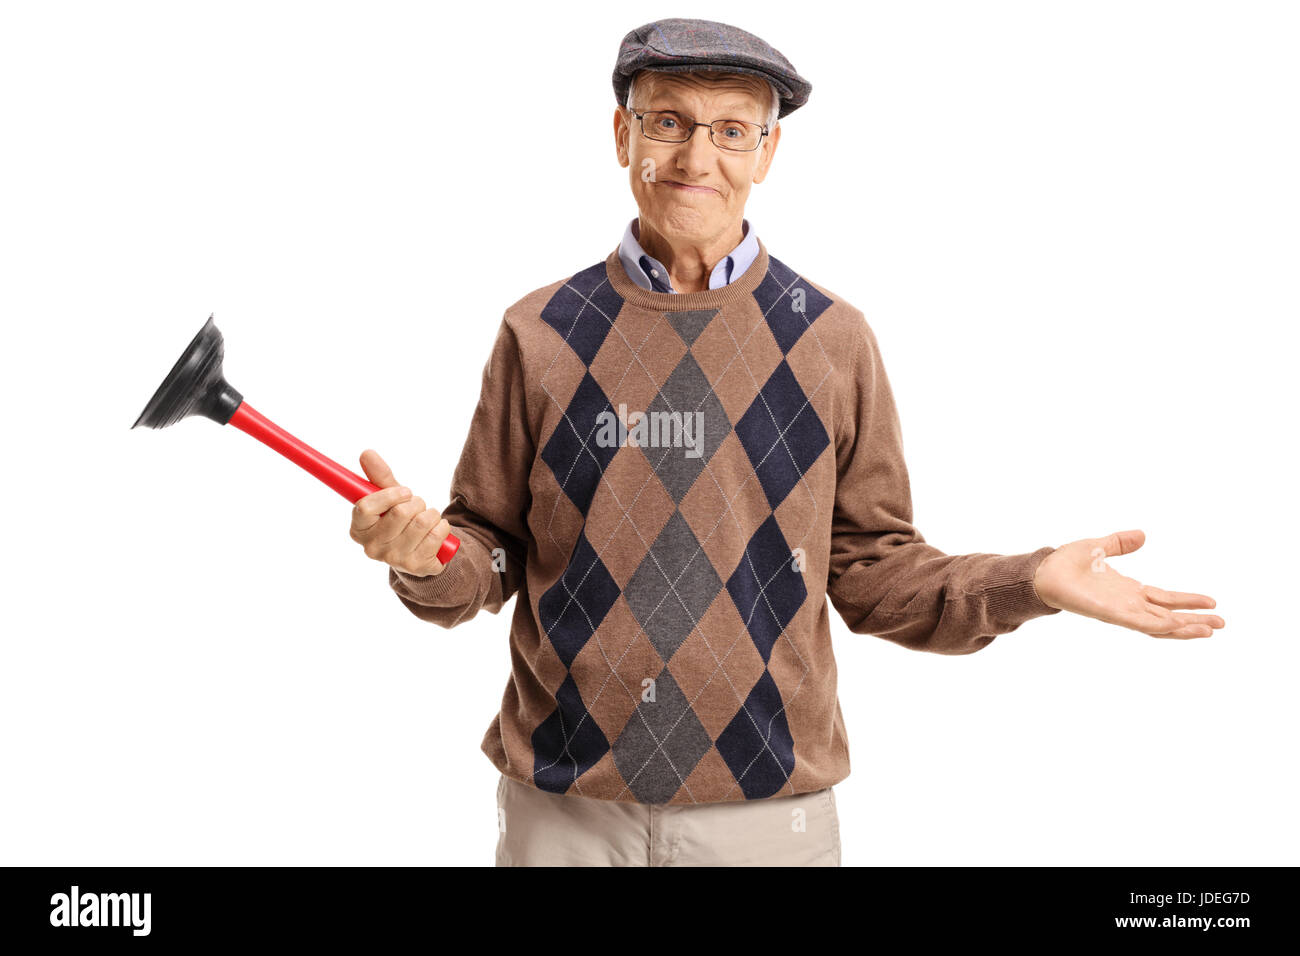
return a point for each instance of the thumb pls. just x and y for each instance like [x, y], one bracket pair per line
[377, 469]
[1122, 542]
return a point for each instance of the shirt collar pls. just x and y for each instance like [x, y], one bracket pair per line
[649, 273]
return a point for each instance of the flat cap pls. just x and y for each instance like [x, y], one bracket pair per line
[679, 45]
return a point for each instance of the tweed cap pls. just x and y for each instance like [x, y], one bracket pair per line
[679, 45]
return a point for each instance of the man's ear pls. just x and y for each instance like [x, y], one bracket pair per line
[621, 130]
[768, 150]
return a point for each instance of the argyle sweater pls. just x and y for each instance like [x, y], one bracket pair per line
[673, 484]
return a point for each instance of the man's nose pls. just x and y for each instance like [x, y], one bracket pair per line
[697, 153]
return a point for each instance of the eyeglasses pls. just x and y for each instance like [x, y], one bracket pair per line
[667, 126]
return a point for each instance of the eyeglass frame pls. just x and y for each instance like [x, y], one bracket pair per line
[691, 127]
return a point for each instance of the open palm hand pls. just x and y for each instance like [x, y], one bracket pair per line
[1075, 577]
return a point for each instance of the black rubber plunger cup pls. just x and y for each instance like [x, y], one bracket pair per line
[196, 386]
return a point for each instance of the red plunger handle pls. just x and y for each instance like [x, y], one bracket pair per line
[349, 484]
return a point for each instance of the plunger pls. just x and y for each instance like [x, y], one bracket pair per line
[196, 386]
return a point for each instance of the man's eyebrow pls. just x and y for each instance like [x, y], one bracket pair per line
[736, 106]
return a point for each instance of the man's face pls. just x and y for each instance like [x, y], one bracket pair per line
[694, 190]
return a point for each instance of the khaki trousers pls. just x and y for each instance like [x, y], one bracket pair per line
[540, 828]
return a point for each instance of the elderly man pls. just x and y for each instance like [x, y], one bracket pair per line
[679, 453]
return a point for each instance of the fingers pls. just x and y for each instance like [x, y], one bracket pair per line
[366, 513]
[391, 526]
[376, 517]
[1188, 632]
[1185, 619]
[425, 556]
[1187, 626]
[1156, 621]
[1152, 620]
[1122, 542]
[1156, 612]
[1176, 599]
[377, 469]
[413, 533]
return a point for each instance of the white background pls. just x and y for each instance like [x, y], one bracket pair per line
[1071, 225]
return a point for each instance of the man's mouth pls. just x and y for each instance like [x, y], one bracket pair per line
[686, 188]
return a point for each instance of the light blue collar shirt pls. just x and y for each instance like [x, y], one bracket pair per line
[649, 273]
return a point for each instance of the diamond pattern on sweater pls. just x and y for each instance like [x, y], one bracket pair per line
[573, 453]
[686, 404]
[720, 522]
[782, 434]
[789, 305]
[689, 325]
[661, 743]
[573, 607]
[583, 310]
[757, 745]
[568, 743]
[766, 588]
[673, 587]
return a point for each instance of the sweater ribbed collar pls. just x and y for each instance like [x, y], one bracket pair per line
[686, 301]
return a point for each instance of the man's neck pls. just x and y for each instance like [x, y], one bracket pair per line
[689, 264]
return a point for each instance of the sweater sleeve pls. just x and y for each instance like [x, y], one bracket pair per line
[884, 579]
[488, 504]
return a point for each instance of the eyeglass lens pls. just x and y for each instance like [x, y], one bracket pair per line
[669, 127]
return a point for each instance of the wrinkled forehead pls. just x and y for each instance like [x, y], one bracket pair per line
[724, 91]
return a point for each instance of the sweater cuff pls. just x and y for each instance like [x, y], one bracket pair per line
[445, 589]
[1010, 592]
